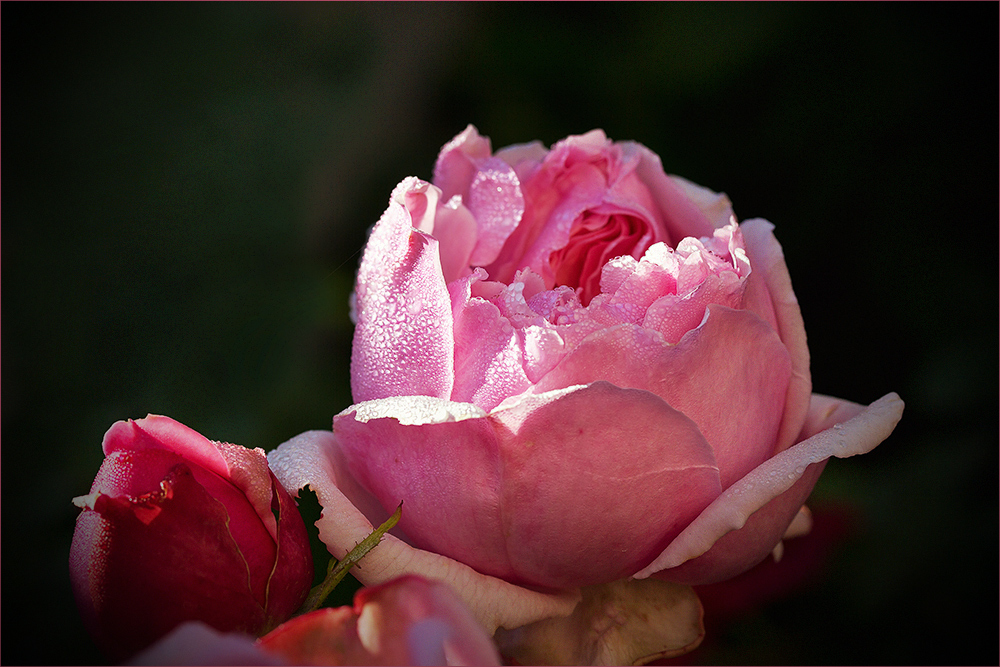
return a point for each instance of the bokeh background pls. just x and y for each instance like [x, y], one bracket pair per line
[186, 189]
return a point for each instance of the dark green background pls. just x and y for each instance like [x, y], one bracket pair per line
[186, 188]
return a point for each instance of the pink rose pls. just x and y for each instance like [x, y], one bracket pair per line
[179, 528]
[573, 370]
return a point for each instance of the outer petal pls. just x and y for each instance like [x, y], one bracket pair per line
[292, 574]
[403, 340]
[619, 623]
[713, 205]
[446, 470]
[568, 444]
[159, 432]
[314, 459]
[769, 261]
[762, 505]
[729, 376]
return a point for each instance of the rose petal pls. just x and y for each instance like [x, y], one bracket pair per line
[406, 621]
[445, 471]
[619, 623]
[715, 206]
[769, 262]
[326, 636]
[457, 233]
[403, 339]
[496, 202]
[559, 446]
[194, 643]
[681, 216]
[159, 432]
[488, 354]
[438, 628]
[772, 479]
[456, 163]
[312, 459]
[729, 376]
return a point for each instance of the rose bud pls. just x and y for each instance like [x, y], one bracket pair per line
[179, 528]
[574, 370]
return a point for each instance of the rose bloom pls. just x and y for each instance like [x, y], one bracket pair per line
[179, 528]
[574, 370]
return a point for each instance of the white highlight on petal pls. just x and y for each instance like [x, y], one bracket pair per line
[731, 510]
[414, 410]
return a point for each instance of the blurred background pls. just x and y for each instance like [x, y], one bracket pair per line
[187, 187]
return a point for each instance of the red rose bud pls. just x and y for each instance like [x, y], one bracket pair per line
[179, 528]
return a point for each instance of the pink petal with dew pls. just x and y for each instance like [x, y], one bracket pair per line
[524, 158]
[159, 432]
[728, 375]
[314, 459]
[449, 222]
[497, 203]
[456, 163]
[550, 224]
[738, 508]
[488, 356]
[563, 445]
[249, 472]
[674, 315]
[768, 262]
[403, 340]
[442, 460]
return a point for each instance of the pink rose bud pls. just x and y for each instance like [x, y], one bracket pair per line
[179, 528]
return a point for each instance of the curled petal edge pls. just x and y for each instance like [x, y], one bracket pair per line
[858, 435]
[311, 459]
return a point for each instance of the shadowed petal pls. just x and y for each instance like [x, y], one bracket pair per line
[768, 260]
[776, 478]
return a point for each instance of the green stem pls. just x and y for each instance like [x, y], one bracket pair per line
[336, 571]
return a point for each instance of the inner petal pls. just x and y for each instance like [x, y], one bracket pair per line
[596, 239]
